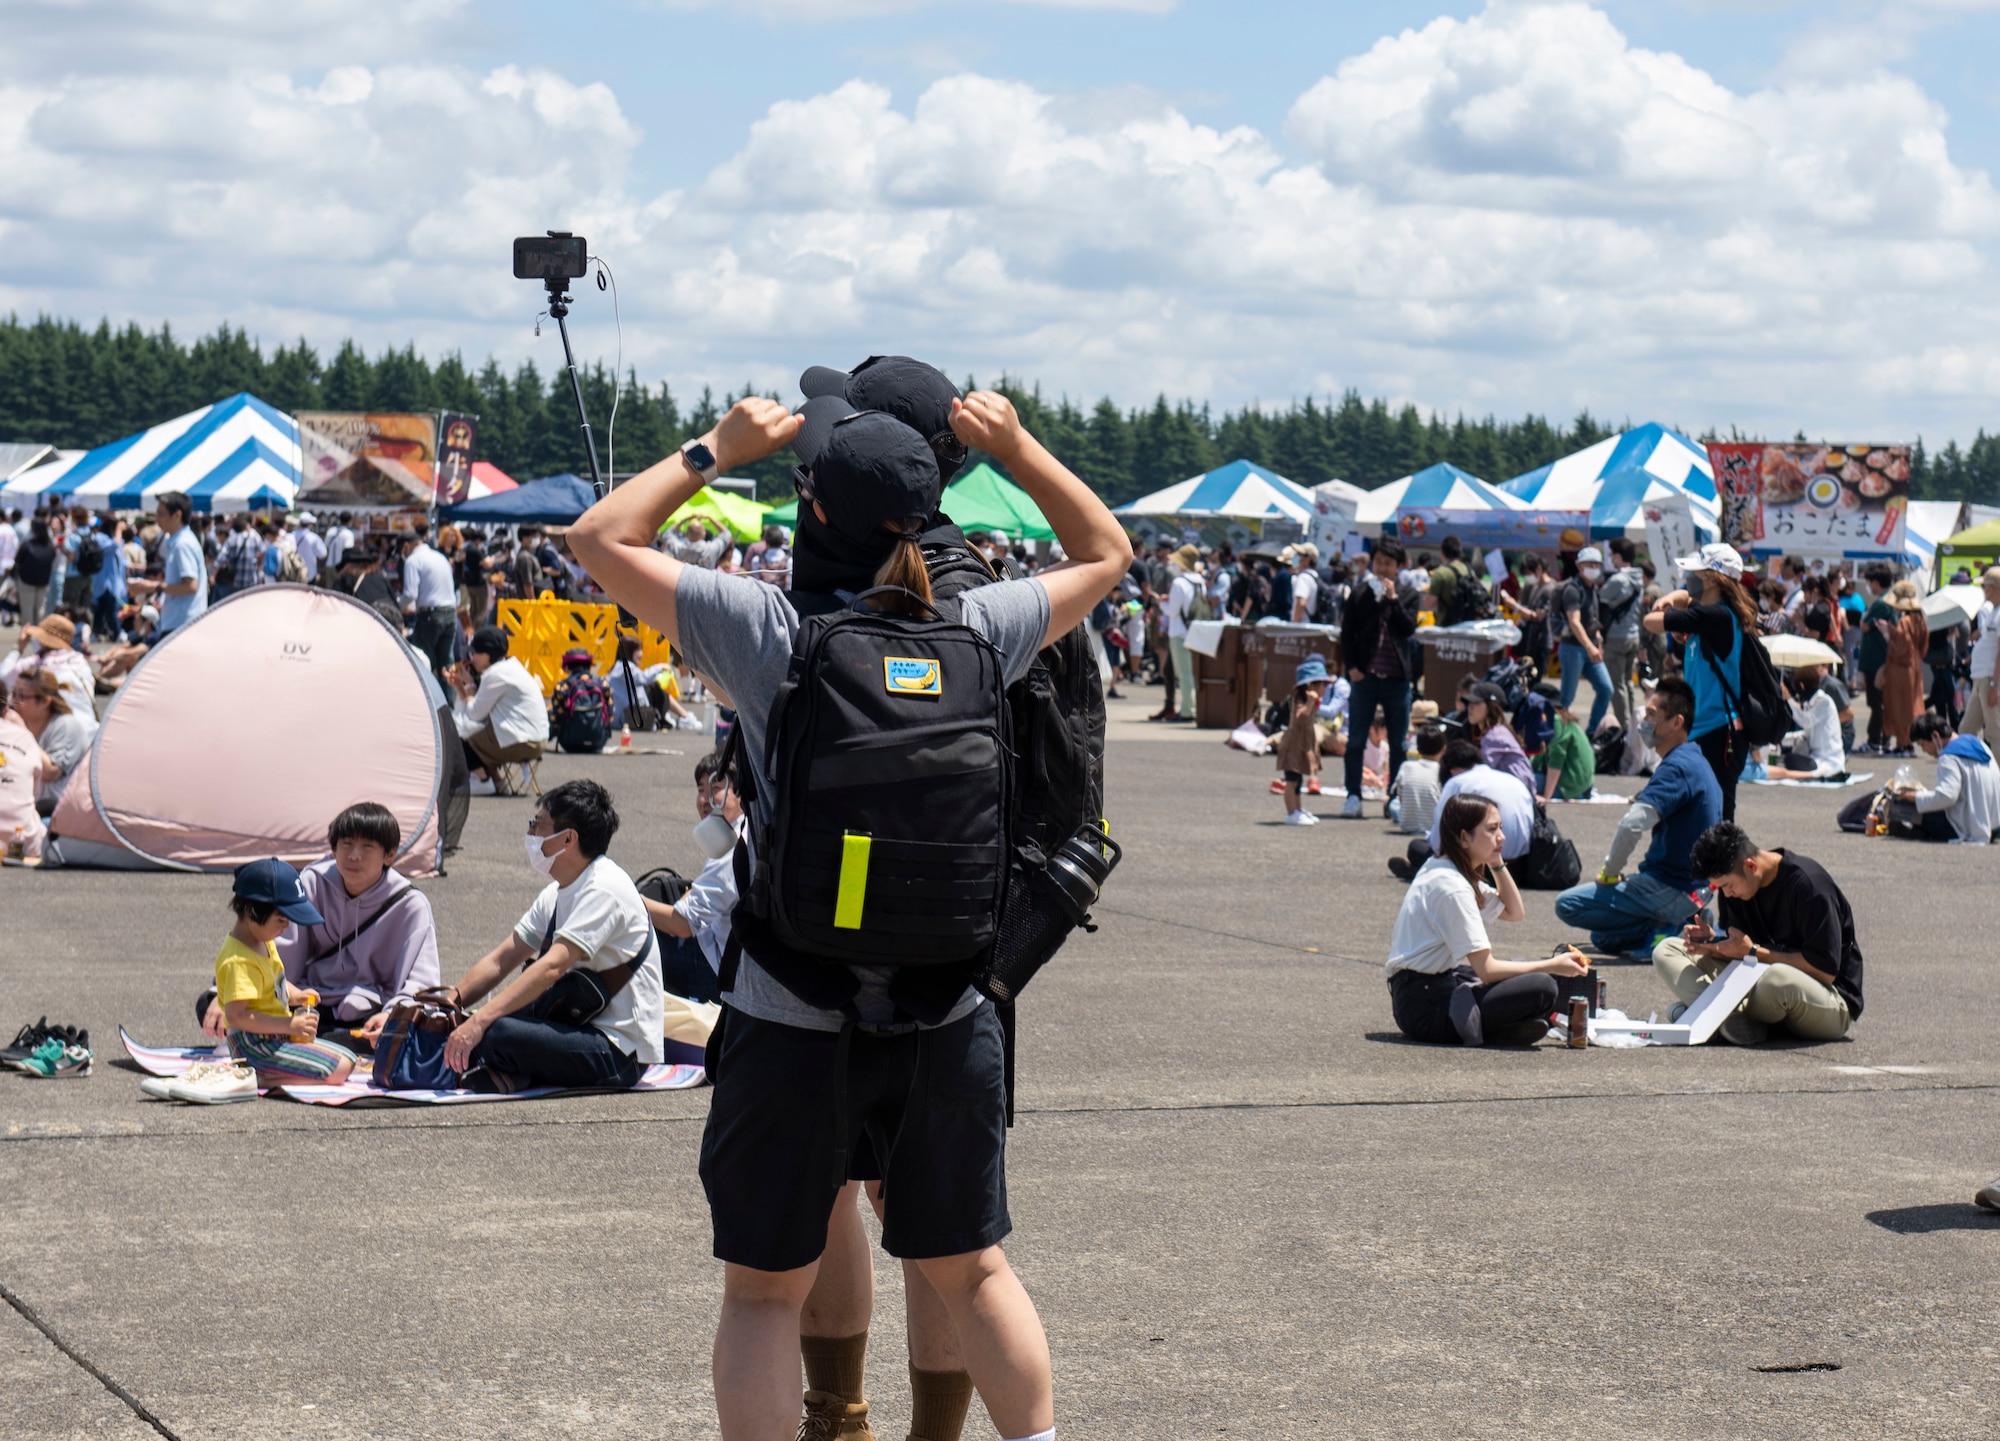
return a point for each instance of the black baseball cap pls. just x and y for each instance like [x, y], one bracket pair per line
[917, 394]
[868, 469]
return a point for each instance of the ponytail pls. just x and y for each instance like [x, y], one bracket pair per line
[905, 568]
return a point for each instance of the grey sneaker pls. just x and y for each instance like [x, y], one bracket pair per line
[1988, 1195]
[1740, 1030]
[1350, 809]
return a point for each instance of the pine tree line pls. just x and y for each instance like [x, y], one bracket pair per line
[78, 388]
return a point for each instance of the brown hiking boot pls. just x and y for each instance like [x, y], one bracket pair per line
[830, 1417]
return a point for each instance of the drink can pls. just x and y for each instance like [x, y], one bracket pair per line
[1579, 1022]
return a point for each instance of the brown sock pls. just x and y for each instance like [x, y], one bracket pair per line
[836, 1364]
[938, 1403]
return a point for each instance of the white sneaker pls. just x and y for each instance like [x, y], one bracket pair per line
[483, 786]
[687, 723]
[1350, 809]
[1301, 818]
[214, 1085]
[161, 1086]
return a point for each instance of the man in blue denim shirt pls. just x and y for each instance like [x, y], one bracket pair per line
[1683, 799]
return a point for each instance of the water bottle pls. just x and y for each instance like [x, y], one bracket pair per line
[1047, 898]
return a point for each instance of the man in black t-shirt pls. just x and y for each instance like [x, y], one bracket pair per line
[1784, 910]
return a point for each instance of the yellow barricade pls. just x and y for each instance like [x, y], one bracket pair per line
[539, 631]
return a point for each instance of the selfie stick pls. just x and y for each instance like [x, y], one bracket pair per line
[559, 307]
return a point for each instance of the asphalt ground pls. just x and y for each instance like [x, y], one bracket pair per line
[1242, 1203]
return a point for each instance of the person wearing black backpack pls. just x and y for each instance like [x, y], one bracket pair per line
[879, 1051]
[1732, 687]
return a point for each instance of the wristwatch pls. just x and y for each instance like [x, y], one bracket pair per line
[700, 459]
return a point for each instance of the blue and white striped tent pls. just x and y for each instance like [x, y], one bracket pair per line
[1240, 490]
[1612, 479]
[1441, 490]
[238, 454]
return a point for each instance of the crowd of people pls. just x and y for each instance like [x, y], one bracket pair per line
[833, 1078]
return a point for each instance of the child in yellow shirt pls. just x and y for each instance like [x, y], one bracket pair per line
[250, 984]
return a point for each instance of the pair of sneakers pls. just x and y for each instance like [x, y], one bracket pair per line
[56, 1059]
[205, 1083]
[31, 1039]
[1301, 818]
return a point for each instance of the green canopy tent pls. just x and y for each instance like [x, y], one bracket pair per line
[1975, 549]
[745, 518]
[984, 499]
[981, 499]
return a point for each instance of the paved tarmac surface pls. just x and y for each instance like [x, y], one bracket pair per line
[1243, 1204]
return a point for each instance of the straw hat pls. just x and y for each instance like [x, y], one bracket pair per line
[1903, 596]
[1189, 557]
[56, 632]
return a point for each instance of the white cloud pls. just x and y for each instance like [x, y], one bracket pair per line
[1518, 210]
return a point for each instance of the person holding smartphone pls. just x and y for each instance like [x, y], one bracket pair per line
[1784, 910]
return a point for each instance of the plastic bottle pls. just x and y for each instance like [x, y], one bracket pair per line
[1906, 779]
[624, 738]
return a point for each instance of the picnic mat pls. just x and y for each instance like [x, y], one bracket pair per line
[1831, 783]
[172, 1060]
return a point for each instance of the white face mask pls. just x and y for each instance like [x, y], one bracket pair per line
[1590, 572]
[546, 864]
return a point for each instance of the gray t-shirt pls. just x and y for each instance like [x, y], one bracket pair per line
[739, 633]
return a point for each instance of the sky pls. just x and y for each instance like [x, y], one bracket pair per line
[1752, 213]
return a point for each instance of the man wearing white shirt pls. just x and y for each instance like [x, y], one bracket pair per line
[501, 716]
[694, 931]
[589, 917]
[339, 541]
[429, 600]
[311, 549]
[1305, 584]
[1814, 751]
[1982, 701]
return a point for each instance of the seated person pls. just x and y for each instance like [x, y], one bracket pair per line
[1964, 805]
[1375, 760]
[1486, 723]
[1784, 910]
[1683, 799]
[376, 939]
[500, 714]
[1814, 751]
[695, 928]
[1445, 986]
[1567, 766]
[1413, 799]
[39, 702]
[1460, 769]
[580, 710]
[281, 1046]
[658, 686]
[590, 915]
[52, 647]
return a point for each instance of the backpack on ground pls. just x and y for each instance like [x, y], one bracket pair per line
[1608, 748]
[1512, 679]
[1468, 599]
[1551, 863]
[1760, 705]
[583, 714]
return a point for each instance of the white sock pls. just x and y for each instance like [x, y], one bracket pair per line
[1048, 1435]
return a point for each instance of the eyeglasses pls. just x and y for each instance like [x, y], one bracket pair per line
[948, 448]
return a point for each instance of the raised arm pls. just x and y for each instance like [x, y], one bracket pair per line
[1094, 545]
[614, 539]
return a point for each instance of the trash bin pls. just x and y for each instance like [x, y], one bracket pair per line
[1280, 649]
[1226, 680]
[1452, 652]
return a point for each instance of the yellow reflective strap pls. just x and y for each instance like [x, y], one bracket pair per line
[853, 886]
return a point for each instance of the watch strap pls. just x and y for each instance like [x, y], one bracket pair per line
[696, 454]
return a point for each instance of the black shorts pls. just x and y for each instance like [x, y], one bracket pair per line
[1294, 778]
[933, 1105]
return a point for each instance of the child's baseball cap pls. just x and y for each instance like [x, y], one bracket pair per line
[273, 883]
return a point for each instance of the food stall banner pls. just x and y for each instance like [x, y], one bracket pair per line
[460, 435]
[1827, 500]
[367, 457]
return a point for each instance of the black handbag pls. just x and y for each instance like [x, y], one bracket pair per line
[579, 995]
[1551, 863]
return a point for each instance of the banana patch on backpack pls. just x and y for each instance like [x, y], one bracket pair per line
[902, 675]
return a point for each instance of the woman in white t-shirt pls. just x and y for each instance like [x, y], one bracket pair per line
[1445, 985]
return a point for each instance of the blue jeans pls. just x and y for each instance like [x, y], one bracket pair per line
[1577, 666]
[1623, 918]
[1393, 696]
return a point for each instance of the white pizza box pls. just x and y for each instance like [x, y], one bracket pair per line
[1699, 1021]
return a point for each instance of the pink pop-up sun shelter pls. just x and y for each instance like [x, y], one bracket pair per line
[244, 734]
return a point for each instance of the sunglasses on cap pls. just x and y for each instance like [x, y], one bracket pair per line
[948, 448]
